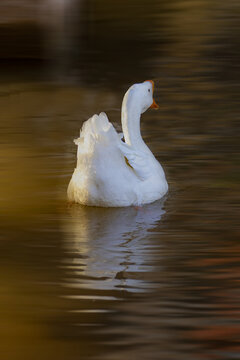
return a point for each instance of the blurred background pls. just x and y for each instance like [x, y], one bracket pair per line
[161, 282]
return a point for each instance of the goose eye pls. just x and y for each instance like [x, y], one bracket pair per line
[148, 90]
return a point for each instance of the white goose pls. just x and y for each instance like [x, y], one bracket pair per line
[111, 172]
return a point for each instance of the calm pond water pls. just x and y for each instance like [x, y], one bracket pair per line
[160, 282]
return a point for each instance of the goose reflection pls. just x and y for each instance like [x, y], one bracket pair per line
[111, 248]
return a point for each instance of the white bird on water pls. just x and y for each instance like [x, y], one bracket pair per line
[111, 172]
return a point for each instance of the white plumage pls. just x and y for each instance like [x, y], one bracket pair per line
[114, 173]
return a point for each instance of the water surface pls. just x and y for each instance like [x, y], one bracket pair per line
[160, 282]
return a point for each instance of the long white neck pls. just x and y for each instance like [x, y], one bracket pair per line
[131, 114]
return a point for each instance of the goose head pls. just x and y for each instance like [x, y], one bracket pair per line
[142, 95]
[136, 101]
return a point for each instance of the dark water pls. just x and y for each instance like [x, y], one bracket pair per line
[161, 282]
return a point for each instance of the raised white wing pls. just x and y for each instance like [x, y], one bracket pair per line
[99, 131]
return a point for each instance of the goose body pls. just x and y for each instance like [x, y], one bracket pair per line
[114, 173]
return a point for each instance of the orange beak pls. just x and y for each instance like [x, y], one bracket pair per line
[154, 104]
